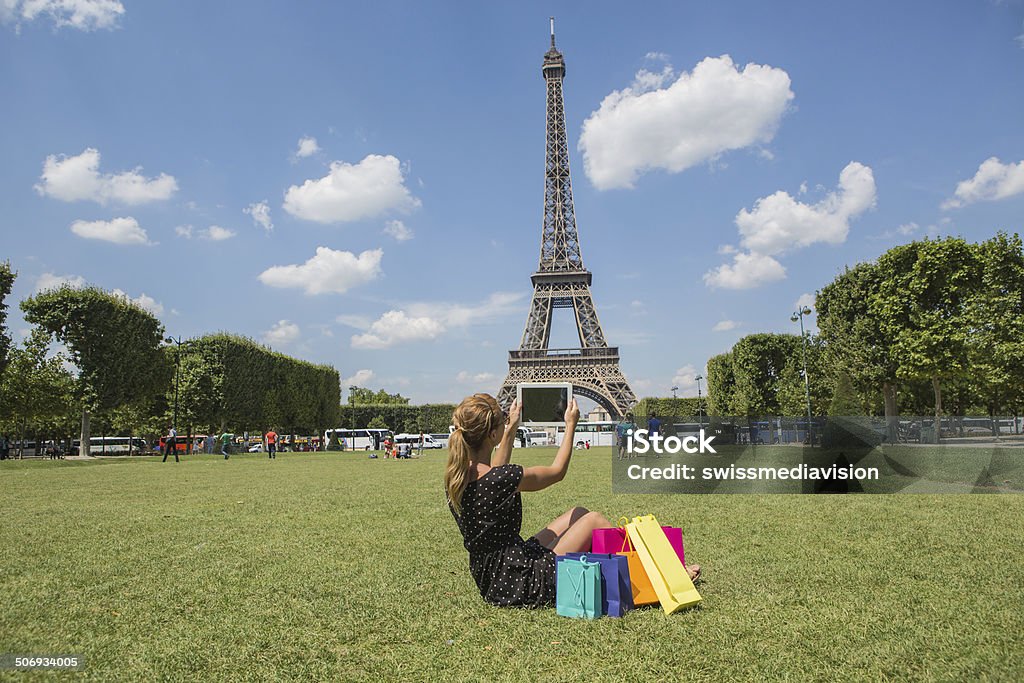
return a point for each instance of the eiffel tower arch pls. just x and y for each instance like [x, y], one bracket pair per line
[562, 281]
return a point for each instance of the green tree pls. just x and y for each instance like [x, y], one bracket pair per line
[378, 422]
[845, 400]
[922, 303]
[6, 282]
[358, 396]
[721, 385]
[996, 315]
[758, 361]
[115, 344]
[854, 339]
[36, 390]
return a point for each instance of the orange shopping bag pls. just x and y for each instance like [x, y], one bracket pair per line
[639, 582]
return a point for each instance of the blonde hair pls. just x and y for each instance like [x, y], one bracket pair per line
[474, 419]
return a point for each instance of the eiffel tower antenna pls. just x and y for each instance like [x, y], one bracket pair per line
[562, 281]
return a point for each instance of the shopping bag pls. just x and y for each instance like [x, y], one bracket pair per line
[617, 595]
[639, 583]
[671, 583]
[578, 588]
[610, 540]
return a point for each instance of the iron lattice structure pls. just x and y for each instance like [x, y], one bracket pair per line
[561, 281]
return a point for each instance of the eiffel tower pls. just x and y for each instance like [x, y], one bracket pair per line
[561, 281]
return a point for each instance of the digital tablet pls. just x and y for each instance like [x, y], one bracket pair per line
[544, 403]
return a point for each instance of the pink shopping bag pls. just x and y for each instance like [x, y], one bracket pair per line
[614, 540]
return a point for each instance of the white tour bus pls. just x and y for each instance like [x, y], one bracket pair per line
[597, 433]
[357, 439]
[414, 440]
[111, 445]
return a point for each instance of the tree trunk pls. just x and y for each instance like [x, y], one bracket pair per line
[891, 415]
[937, 388]
[84, 442]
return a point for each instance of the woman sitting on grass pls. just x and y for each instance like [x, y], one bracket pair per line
[483, 491]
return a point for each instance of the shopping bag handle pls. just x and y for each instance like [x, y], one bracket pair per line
[626, 543]
[577, 587]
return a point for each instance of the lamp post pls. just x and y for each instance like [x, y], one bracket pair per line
[799, 315]
[177, 374]
[700, 407]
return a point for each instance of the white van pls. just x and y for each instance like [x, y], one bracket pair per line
[357, 439]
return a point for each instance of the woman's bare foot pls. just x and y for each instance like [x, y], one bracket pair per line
[694, 571]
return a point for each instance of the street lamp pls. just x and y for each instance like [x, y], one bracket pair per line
[177, 374]
[799, 315]
[700, 408]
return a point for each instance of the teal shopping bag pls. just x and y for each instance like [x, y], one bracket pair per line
[578, 588]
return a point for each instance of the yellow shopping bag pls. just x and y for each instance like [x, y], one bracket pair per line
[668, 576]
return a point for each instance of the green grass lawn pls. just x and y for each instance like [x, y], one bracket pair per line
[335, 567]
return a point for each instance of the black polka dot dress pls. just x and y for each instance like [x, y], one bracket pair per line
[508, 570]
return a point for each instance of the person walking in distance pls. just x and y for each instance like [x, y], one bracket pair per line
[271, 440]
[225, 442]
[171, 443]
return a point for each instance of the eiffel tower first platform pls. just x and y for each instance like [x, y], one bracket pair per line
[561, 281]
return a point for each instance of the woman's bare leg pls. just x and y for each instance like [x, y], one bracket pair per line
[577, 538]
[549, 535]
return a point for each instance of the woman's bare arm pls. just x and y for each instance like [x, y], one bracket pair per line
[543, 476]
[504, 452]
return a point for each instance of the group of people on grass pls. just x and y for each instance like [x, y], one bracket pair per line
[171, 443]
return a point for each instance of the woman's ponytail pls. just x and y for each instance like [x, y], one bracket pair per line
[458, 468]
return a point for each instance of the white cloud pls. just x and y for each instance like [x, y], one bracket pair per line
[725, 326]
[360, 379]
[78, 178]
[806, 299]
[215, 233]
[478, 378]
[143, 301]
[307, 147]
[779, 223]
[328, 271]
[994, 180]
[119, 231]
[427, 320]
[85, 15]
[52, 281]
[360, 322]
[260, 212]
[685, 380]
[497, 305]
[396, 327]
[398, 230]
[281, 334]
[696, 118]
[352, 192]
[908, 229]
[747, 270]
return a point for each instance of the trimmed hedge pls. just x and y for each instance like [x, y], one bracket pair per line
[233, 381]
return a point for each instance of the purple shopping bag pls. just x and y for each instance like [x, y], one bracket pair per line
[618, 595]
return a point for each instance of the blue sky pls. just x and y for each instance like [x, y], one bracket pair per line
[361, 183]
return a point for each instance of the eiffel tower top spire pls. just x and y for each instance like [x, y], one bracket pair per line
[560, 244]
